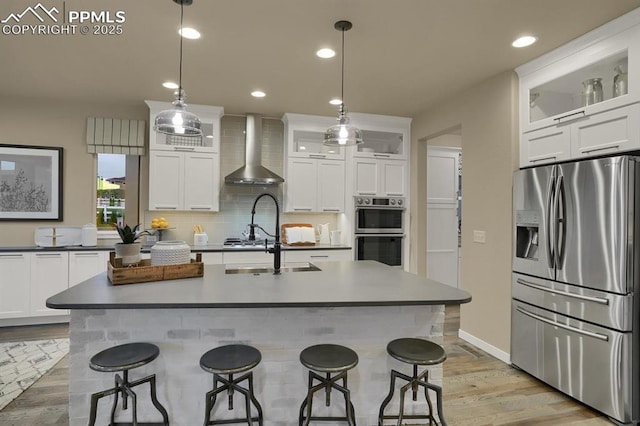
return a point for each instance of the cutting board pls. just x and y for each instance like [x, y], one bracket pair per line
[283, 234]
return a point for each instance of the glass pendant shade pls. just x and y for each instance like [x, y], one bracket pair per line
[178, 121]
[342, 134]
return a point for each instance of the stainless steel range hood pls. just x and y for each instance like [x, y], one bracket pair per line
[253, 173]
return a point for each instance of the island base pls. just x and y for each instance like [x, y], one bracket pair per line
[280, 334]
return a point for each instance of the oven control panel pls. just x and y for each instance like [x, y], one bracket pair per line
[384, 202]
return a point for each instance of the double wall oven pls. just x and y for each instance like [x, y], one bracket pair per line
[379, 229]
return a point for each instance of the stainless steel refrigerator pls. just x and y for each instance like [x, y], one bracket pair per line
[575, 291]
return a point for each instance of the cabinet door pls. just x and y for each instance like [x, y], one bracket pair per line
[607, 132]
[250, 258]
[212, 258]
[301, 185]
[49, 275]
[201, 182]
[14, 285]
[86, 264]
[331, 184]
[366, 177]
[548, 145]
[393, 178]
[166, 180]
[317, 255]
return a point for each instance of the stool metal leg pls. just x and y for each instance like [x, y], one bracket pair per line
[231, 385]
[326, 383]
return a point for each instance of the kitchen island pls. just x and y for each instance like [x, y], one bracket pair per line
[362, 305]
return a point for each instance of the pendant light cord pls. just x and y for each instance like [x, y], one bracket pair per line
[180, 72]
[342, 77]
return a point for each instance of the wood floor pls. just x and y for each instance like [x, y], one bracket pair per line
[479, 390]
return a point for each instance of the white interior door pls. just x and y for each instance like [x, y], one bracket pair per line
[442, 214]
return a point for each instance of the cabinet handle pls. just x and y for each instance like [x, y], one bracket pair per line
[93, 254]
[319, 256]
[367, 193]
[301, 210]
[317, 156]
[587, 151]
[382, 155]
[184, 148]
[11, 255]
[165, 208]
[200, 208]
[395, 194]
[48, 255]
[552, 157]
[570, 115]
[330, 210]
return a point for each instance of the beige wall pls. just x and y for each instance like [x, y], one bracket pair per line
[61, 124]
[487, 115]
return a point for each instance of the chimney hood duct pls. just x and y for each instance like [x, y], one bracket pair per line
[253, 173]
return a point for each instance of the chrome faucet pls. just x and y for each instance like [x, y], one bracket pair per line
[277, 247]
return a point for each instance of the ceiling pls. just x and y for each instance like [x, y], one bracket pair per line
[401, 57]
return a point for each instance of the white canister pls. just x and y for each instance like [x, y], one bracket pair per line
[200, 239]
[170, 253]
[335, 238]
[89, 235]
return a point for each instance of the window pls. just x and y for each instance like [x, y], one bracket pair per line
[117, 183]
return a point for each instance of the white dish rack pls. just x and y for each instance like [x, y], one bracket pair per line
[64, 236]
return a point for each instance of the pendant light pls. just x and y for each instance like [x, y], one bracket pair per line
[178, 121]
[342, 134]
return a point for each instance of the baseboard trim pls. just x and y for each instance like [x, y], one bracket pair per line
[490, 349]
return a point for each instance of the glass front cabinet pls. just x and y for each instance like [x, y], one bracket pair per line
[581, 99]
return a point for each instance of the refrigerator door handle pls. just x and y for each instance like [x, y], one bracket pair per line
[561, 222]
[598, 336]
[600, 300]
[550, 223]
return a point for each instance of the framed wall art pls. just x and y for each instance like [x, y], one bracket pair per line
[30, 182]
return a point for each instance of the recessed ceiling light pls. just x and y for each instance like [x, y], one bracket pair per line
[190, 33]
[524, 41]
[325, 53]
[170, 85]
[335, 101]
[258, 94]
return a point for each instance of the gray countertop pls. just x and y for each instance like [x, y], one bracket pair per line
[346, 283]
[203, 248]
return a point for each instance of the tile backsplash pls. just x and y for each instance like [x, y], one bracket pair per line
[236, 200]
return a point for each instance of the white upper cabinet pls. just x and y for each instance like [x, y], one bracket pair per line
[210, 117]
[581, 99]
[304, 135]
[380, 177]
[385, 137]
[315, 185]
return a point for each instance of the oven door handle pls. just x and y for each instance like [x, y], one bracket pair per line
[600, 300]
[379, 235]
[598, 336]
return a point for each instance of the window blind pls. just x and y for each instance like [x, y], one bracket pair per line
[115, 136]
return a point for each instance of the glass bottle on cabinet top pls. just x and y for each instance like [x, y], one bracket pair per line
[571, 93]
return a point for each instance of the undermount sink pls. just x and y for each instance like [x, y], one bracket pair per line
[266, 269]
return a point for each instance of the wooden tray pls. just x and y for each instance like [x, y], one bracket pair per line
[283, 233]
[144, 272]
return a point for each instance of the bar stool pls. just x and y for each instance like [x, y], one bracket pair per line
[328, 359]
[415, 352]
[230, 360]
[124, 358]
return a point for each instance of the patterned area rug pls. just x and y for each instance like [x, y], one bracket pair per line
[22, 363]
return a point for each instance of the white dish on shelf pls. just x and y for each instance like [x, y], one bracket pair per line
[170, 253]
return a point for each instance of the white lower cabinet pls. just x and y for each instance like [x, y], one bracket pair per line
[184, 181]
[380, 177]
[212, 258]
[86, 264]
[247, 257]
[49, 275]
[317, 255]
[14, 285]
[315, 185]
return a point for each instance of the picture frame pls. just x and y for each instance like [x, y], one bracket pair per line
[30, 182]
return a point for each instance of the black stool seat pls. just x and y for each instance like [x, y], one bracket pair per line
[416, 351]
[334, 361]
[230, 359]
[124, 357]
[328, 358]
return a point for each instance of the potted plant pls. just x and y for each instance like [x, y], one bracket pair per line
[129, 249]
